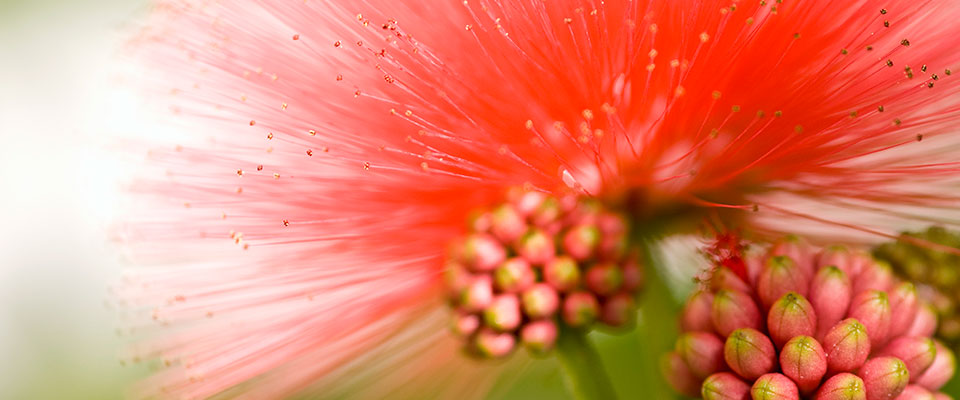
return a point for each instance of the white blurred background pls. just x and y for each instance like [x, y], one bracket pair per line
[57, 192]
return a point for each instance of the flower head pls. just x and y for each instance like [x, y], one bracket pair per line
[334, 148]
[834, 331]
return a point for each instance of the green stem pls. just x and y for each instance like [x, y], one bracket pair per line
[656, 328]
[582, 367]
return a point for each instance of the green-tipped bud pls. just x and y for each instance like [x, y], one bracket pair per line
[702, 351]
[842, 386]
[749, 353]
[803, 360]
[464, 325]
[884, 377]
[873, 276]
[725, 279]
[604, 279]
[872, 309]
[536, 246]
[724, 386]
[580, 309]
[830, 293]
[477, 295]
[696, 313]
[482, 253]
[924, 323]
[562, 273]
[904, 306]
[492, 344]
[779, 276]
[540, 301]
[618, 310]
[940, 371]
[774, 387]
[917, 353]
[791, 316]
[514, 275]
[507, 224]
[733, 310]
[503, 313]
[581, 241]
[539, 337]
[847, 346]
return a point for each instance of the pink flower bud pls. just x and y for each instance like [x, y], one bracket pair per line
[916, 352]
[678, 375]
[482, 252]
[547, 213]
[840, 257]
[479, 222]
[830, 294]
[604, 279]
[779, 276]
[632, 275]
[563, 273]
[492, 344]
[580, 309]
[725, 279]
[749, 353]
[803, 360]
[456, 278]
[696, 313]
[924, 323]
[873, 276]
[940, 371]
[916, 392]
[884, 377]
[941, 396]
[528, 202]
[581, 241]
[540, 301]
[536, 246]
[507, 224]
[872, 309]
[464, 325]
[847, 346]
[797, 250]
[774, 387]
[539, 337]
[478, 295]
[618, 310]
[904, 306]
[702, 351]
[724, 386]
[503, 313]
[514, 275]
[791, 316]
[733, 310]
[842, 386]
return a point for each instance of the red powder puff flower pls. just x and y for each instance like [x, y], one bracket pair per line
[335, 149]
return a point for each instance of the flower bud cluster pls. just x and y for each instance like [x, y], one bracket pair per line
[935, 272]
[800, 323]
[536, 262]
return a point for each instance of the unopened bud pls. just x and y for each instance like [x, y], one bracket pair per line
[842, 258]
[944, 364]
[540, 301]
[539, 336]
[803, 360]
[604, 279]
[847, 346]
[678, 375]
[873, 276]
[924, 323]
[507, 224]
[724, 278]
[797, 250]
[547, 213]
[904, 306]
[696, 313]
[842, 386]
[884, 377]
[514, 275]
[779, 276]
[916, 392]
[492, 344]
[536, 246]
[632, 275]
[916, 352]
[749, 353]
[733, 310]
[941, 396]
[464, 325]
[563, 273]
[581, 241]
[456, 278]
[791, 316]
[528, 202]
[830, 293]
[724, 386]
[774, 386]
[702, 351]
[872, 309]
[477, 295]
[580, 309]
[618, 310]
[503, 313]
[482, 252]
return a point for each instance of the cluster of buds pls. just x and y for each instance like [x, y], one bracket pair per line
[799, 323]
[936, 273]
[536, 262]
